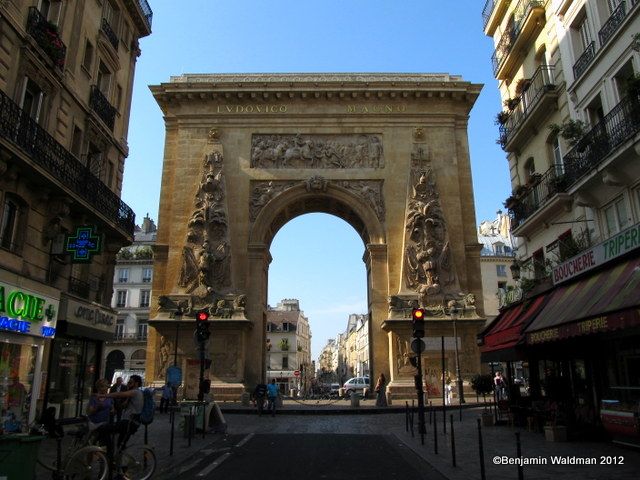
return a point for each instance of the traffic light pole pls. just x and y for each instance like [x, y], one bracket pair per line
[418, 380]
[201, 382]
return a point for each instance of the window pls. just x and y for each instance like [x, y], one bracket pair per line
[94, 160]
[285, 327]
[145, 295]
[121, 298]
[613, 4]
[539, 267]
[119, 329]
[32, 99]
[11, 228]
[501, 270]
[123, 275]
[556, 156]
[87, 60]
[584, 33]
[143, 329]
[146, 275]
[615, 216]
[104, 79]
[285, 362]
[498, 248]
[76, 141]
[502, 285]
[112, 15]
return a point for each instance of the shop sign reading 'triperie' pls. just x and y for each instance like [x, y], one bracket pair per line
[28, 313]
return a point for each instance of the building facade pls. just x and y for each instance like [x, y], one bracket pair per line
[289, 347]
[66, 76]
[496, 258]
[131, 297]
[567, 73]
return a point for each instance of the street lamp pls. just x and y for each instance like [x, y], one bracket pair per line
[453, 311]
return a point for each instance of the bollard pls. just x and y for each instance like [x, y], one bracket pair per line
[389, 399]
[453, 442]
[355, 400]
[435, 436]
[204, 418]
[245, 399]
[519, 455]
[406, 416]
[172, 418]
[481, 452]
[430, 412]
[460, 411]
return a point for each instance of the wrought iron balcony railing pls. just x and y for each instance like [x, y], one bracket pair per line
[146, 11]
[111, 35]
[505, 45]
[487, 11]
[79, 287]
[584, 60]
[129, 337]
[620, 124]
[102, 107]
[611, 25]
[551, 182]
[541, 82]
[17, 127]
[47, 36]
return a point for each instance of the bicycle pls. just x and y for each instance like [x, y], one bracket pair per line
[136, 462]
[80, 461]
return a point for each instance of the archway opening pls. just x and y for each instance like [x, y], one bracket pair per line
[318, 268]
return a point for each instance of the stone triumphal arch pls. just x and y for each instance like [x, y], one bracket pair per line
[244, 154]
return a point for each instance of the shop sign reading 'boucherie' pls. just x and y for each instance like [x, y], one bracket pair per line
[27, 313]
[615, 247]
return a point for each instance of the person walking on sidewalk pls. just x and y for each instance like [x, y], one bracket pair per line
[259, 394]
[381, 391]
[272, 395]
[165, 399]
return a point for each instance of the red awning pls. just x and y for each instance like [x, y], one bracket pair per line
[506, 331]
[601, 302]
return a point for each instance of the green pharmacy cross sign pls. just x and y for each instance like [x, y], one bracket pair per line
[83, 244]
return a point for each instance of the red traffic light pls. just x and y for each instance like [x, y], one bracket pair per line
[202, 316]
[417, 314]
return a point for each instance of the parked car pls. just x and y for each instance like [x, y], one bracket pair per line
[333, 390]
[356, 384]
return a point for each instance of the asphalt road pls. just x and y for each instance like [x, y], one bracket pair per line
[309, 456]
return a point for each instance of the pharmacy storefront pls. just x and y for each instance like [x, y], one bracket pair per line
[28, 314]
[83, 327]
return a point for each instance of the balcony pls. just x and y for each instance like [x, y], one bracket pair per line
[47, 37]
[110, 34]
[79, 287]
[619, 125]
[528, 20]
[42, 149]
[584, 61]
[101, 106]
[120, 337]
[492, 13]
[141, 14]
[546, 195]
[611, 25]
[532, 106]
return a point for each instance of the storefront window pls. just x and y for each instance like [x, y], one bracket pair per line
[17, 366]
[72, 376]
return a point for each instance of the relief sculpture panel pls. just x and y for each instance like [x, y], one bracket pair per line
[316, 151]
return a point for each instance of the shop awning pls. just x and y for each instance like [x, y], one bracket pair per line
[506, 332]
[601, 302]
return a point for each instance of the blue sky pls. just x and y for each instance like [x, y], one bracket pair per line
[317, 258]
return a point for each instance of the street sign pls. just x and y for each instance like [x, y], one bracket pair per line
[418, 345]
[297, 373]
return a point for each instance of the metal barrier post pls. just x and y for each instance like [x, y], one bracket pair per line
[453, 442]
[435, 435]
[172, 418]
[519, 455]
[481, 452]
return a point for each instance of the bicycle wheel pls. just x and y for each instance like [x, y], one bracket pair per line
[138, 462]
[88, 463]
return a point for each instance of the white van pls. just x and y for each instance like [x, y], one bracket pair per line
[356, 384]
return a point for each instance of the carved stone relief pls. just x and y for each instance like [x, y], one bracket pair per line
[263, 192]
[370, 191]
[224, 355]
[206, 255]
[164, 356]
[403, 354]
[428, 268]
[316, 151]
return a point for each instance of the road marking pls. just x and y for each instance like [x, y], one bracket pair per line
[213, 465]
[245, 440]
[209, 451]
[190, 466]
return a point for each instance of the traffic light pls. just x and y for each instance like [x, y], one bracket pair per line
[202, 326]
[417, 322]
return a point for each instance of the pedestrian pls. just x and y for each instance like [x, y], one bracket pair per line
[272, 395]
[381, 391]
[118, 405]
[448, 390]
[259, 394]
[165, 399]
[100, 407]
[499, 385]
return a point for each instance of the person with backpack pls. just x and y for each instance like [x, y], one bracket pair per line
[272, 395]
[131, 415]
